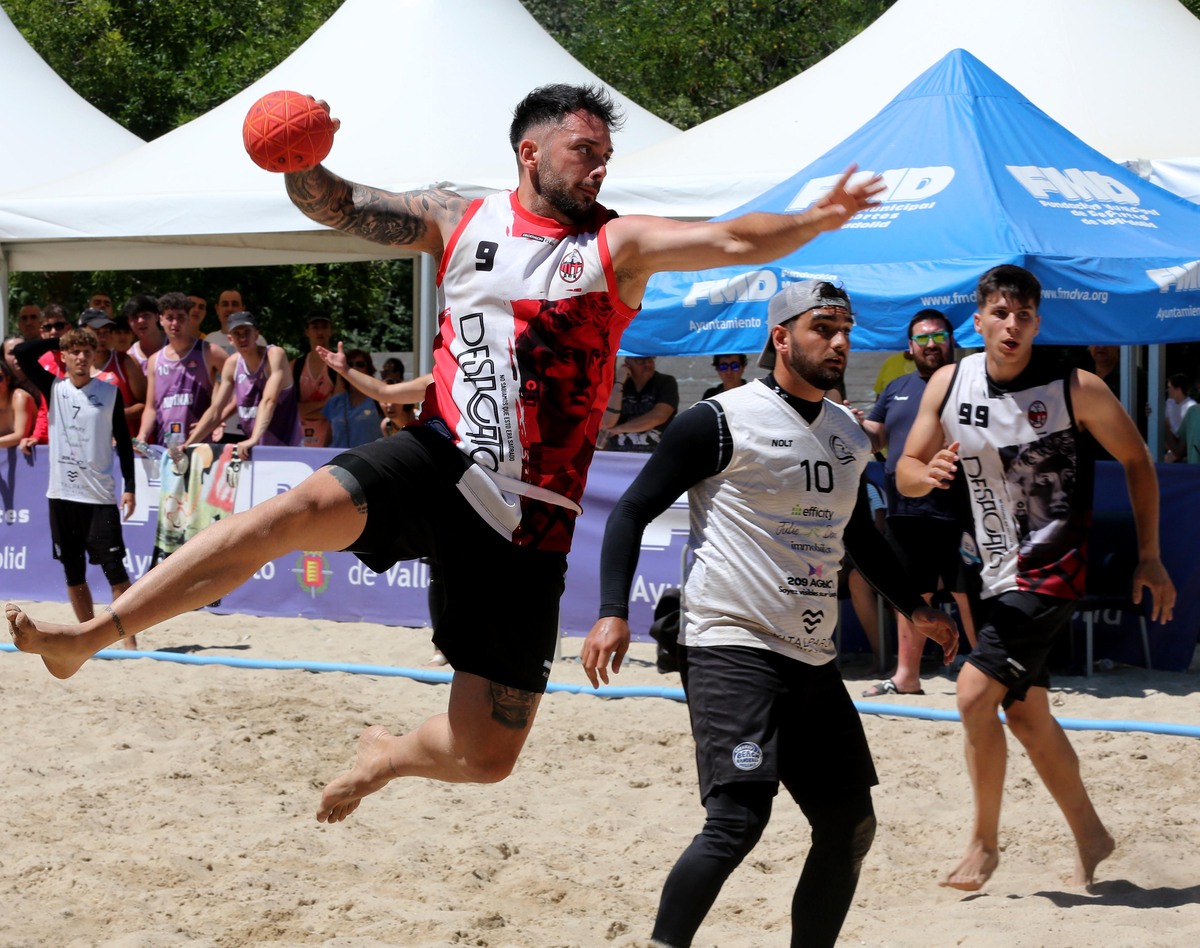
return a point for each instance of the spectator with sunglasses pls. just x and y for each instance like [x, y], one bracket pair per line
[729, 370]
[54, 325]
[926, 532]
[391, 392]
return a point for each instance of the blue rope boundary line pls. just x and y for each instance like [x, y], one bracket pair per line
[430, 676]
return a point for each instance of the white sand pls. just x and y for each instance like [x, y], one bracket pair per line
[158, 804]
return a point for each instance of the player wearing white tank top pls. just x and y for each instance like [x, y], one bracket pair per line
[1015, 432]
[776, 495]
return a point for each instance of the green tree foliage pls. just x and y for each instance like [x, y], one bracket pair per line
[153, 66]
[690, 60]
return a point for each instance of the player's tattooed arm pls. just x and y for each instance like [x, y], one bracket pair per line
[414, 219]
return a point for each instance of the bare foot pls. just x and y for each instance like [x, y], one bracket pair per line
[974, 870]
[372, 771]
[61, 646]
[438, 659]
[131, 643]
[1088, 859]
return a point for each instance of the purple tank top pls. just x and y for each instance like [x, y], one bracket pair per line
[183, 391]
[247, 391]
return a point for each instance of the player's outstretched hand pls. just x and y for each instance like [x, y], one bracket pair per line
[608, 640]
[847, 198]
[335, 360]
[935, 624]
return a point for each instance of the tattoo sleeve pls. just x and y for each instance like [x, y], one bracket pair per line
[512, 707]
[384, 217]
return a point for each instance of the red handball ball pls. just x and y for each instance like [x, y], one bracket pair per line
[288, 131]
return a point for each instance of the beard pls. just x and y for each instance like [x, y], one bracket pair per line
[929, 362]
[557, 192]
[814, 372]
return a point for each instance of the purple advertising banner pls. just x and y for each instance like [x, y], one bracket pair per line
[318, 584]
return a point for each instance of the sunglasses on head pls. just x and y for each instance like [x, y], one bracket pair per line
[728, 366]
[925, 338]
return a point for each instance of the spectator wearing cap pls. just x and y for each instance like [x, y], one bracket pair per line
[256, 389]
[29, 321]
[141, 312]
[314, 381]
[116, 367]
[729, 370]
[179, 377]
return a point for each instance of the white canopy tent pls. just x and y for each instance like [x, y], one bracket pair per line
[424, 90]
[52, 130]
[1113, 72]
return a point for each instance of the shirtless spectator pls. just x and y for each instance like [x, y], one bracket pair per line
[18, 410]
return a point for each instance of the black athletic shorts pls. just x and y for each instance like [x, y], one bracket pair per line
[77, 528]
[1016, 631]
[758, 716]
[929, 550]
[500, 618]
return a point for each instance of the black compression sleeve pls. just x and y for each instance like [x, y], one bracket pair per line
[27, 355]
[690, 450]
[124, 440]
[876, 560]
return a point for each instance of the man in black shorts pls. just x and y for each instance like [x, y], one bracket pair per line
[1000, 417]
[775, 475]
[476, 485]
[925, 532]
[87, 415]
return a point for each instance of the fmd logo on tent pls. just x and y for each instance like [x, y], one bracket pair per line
[903, 185]
[1183, 277]
[1072, 184]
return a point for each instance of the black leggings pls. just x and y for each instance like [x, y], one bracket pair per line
[843, 828]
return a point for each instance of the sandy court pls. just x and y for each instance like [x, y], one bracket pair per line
[153, 804]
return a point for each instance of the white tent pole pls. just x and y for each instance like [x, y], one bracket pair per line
[4, 293]
[1156, 384]
[425, 313]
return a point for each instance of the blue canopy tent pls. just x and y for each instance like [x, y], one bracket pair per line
[977, 176]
